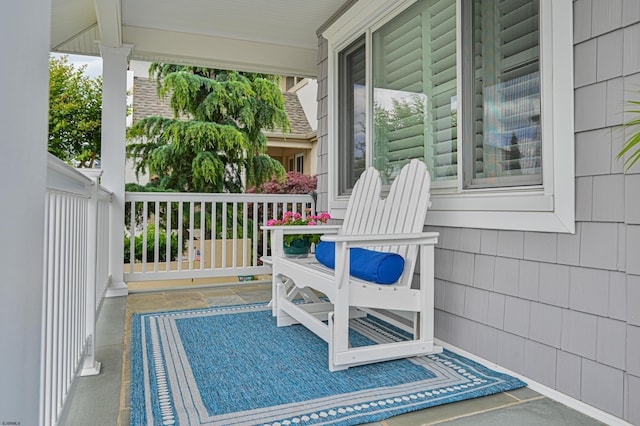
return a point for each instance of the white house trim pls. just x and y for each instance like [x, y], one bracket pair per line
[25, 29]
[114, 107]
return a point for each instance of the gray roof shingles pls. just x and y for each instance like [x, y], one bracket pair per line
[146, 103]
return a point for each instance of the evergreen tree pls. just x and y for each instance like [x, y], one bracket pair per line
[216, 134]
[75, 113]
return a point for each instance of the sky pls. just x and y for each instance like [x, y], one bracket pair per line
[94, 63]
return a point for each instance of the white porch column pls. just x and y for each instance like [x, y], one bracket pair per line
[25, 28]
[114, 113]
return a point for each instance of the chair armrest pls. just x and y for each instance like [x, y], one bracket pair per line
[303, 229]
[278, 233]
[383, 240]
[346, 242]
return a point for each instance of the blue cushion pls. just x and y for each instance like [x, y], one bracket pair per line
[375, 266]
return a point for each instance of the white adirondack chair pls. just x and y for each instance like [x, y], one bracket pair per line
[395, 225]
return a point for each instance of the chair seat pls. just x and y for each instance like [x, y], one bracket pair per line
[322, 272]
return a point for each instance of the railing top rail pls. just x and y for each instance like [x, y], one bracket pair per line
[62, 177]
[218, 197]
[94, 175]
[60, 166]
[104, 191]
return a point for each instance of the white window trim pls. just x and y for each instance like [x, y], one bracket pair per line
[547, 208]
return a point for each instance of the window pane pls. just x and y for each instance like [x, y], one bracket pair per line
[414, 95]
[352, 116]
[300, 163]
[505, 123]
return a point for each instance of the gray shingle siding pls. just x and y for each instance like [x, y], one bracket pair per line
[323, 128]
[562, 309]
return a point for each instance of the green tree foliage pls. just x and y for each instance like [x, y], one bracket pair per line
[403, 115]
[632, 145]
[216, 134]
[75, 113]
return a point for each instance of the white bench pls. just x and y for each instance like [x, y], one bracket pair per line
[394, 225]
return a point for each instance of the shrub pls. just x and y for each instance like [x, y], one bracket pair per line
[150, 246]
[295, 183]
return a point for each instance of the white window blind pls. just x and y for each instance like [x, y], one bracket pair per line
[507, 146]
[414, 90]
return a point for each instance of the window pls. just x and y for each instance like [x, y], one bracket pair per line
[503, 93]
[459, 84]
[353, 117]
[299, 163]
[290, 82]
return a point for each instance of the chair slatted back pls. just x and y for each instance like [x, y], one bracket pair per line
[402, 212]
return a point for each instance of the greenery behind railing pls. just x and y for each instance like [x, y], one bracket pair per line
[150, 245]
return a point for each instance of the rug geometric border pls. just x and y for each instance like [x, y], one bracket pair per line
[165, 389]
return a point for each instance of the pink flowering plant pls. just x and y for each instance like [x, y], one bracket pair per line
[292, 219]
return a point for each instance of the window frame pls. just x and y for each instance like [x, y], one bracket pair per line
[299, 162]
[343, 102]
[549, 207]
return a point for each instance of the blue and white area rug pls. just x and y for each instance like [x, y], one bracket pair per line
[234, 366]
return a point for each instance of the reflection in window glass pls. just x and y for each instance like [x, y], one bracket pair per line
[352, 118]
[507, 146]
[414, 90]
[413, 105]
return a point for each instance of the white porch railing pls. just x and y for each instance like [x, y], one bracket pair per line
[75, 278]
[190, 235]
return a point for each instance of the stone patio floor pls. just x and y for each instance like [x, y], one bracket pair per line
[104, 399]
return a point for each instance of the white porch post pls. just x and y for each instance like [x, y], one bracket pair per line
[24, 43]
[114, 113]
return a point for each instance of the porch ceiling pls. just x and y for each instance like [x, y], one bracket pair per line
[276, 36]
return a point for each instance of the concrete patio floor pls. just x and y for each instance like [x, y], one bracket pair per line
[104, 399]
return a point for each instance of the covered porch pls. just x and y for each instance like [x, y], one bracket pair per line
[45, 201]
[99, 392]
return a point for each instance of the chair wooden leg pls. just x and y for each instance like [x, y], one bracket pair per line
[332, 345]
[276, 281]
[282, 291]
[339, 327]
[274, 295]
[426, 316]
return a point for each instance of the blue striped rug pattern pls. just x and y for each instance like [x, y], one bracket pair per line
[234, 366]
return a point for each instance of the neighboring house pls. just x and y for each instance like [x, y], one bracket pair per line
[146, 101]
[296, 149]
